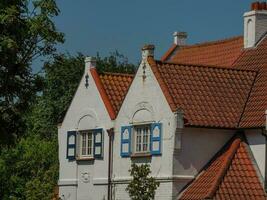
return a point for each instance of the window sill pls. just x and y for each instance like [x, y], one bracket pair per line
[141, 155]
[85, 159]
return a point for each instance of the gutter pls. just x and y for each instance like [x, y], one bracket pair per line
[110, 153]
[265, 174]
[264, 133]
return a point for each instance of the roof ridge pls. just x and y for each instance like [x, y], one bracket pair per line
[235, 143]
[214, 42]
[247, 100]
[169, 52]
[205, 66]
[116, 74]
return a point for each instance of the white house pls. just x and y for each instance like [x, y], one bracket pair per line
[197, 117]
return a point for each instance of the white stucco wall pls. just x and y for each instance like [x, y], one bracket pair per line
[87, 111]
[199, 145]
[145, 94]
[257, 145]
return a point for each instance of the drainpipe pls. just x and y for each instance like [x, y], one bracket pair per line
[110, 153]
[264, 131]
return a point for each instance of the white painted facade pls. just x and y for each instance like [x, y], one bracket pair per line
[257, 144]
[184, 152]
[84, 180]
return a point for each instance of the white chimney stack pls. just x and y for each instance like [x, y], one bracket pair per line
[148, 50]
[255, 24]
[180, 38]
[90, 62]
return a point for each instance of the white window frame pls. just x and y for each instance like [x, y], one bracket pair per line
[143, 137]
[86, 149]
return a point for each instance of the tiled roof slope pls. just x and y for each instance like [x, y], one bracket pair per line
[255, 59]
[209, 96]
[116, 86]
[219, 53]
[231, 174]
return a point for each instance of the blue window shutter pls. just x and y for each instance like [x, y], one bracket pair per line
[98, 143]
[155, 139]
[71, 145]
[126, 141]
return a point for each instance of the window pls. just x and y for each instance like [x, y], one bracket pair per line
[86, 143]
[142, 139]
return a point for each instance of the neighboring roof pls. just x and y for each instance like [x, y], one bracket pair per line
[231, 174]
[219, 53]
[103, 93]
[209, 96]
[255, 59]
[116, 86]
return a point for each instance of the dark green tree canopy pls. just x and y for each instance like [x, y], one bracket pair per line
[27, 32]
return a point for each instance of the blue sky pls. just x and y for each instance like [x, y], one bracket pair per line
[103, 26]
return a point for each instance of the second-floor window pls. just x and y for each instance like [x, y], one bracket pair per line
[86, 143]
[142, 138]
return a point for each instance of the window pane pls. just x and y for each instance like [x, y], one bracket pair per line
[145, 139]
[83, 143]
[89, 149]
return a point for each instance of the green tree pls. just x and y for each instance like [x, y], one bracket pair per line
[61, 79]
[115, 62]
[141, 187]
[27, 32]
[29, 170]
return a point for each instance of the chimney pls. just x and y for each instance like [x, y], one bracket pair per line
[148, 50]
[180, 38]
[90, 62]
[255, 24]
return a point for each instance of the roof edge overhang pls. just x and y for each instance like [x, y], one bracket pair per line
[103, 93]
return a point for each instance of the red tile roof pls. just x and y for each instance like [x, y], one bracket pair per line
[209, 96]
[231, 174]
[230, 53]
[113, 88]
[219, 53]
[255, 59]
[116, 86]
[103, 93]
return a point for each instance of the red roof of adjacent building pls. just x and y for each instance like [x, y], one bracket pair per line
[113, 88]
[255, 59]
[218, 53]
[231, 54]
[209, 96]
[116, 86]
[231, 174]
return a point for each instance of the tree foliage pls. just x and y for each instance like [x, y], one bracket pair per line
[142, 187]
[61, 79]
[29, 170]
[27, 32]
[115, 62]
